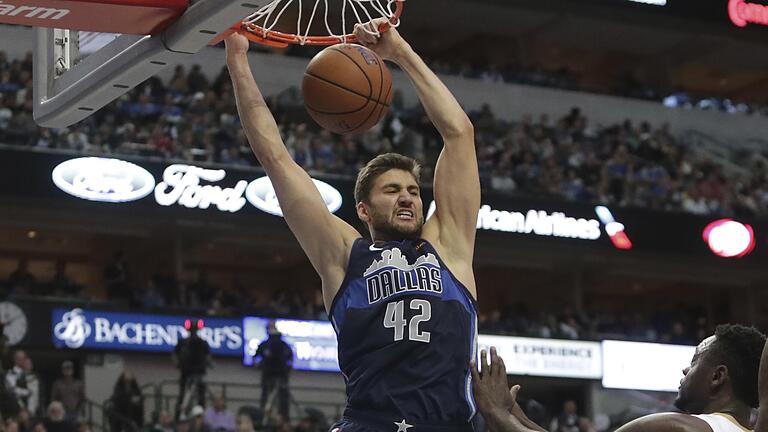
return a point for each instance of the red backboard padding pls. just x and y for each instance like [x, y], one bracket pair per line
[113, 16]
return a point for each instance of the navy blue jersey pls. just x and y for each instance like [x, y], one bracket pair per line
[407, 330]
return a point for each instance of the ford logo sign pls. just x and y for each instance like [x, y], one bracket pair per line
[262, 195]
[104, 180]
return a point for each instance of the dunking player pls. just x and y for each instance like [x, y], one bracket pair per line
[717, 392]
[403, 304]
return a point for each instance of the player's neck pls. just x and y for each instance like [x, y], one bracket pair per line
[736, 409]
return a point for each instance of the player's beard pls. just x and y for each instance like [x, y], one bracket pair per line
[391, 228]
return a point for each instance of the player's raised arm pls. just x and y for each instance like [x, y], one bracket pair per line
[762, 389]
[325, 238]
[457, 181]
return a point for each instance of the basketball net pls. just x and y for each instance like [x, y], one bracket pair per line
[262, 25]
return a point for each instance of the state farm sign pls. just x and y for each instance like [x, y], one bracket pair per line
[743, 13]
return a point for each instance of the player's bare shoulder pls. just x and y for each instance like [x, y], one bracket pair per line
[666, 422]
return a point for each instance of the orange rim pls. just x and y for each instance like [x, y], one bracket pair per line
[258, 34]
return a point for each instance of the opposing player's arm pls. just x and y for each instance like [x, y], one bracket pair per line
[457, 181]
[325, 238]
[762, 388]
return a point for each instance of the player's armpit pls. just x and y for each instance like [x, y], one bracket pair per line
[666, 422]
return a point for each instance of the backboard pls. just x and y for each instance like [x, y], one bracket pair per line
[78, 72]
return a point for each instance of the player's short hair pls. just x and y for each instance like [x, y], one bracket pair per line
[739, 349]
[378, 166]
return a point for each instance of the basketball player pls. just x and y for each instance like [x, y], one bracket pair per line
[717, 392]
[762, 383]
[403, 304]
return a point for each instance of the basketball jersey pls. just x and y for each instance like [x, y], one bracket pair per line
[407, 329]
[720, 422]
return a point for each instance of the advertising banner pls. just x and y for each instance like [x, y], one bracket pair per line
[313, 342]
[85, 329]
[644, 366]
[149, 190]
[547, 357]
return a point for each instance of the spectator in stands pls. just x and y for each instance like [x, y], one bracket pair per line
[21, 281]
[198, 420]
[116, 277]
[275, 358]
[218, 418]
[191, 356]
[37, 425]
[22, 382]
[244, 423]
[183, 424]
[82, 426]
[11, 425]
[25, 420]
[33, 384]
[61, 284]
[69, 390]
[568, 420]
[56, 419]
[162, 422]
[127, 405]
[201, 292]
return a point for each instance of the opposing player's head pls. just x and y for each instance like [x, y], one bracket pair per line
[723, 370]
[388, 197]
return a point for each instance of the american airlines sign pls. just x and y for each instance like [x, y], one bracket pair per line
[190, 186]
[81, 329]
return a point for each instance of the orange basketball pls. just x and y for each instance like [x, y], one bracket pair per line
[347, 88]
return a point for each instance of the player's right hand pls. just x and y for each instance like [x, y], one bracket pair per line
[388, 44]
[236, 44]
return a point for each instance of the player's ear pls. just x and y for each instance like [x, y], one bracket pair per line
[362, 212]
[719, 375]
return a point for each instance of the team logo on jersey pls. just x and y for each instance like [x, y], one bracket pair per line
[393, 274]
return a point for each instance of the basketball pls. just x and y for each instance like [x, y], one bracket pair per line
[347, 88]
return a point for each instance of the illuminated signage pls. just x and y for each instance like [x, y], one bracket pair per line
[651, 2]
[79, 329]
[546, 357]
[114, 180]
[644, 366]
[729, 239]
[105, 180]
[536, 222]
[181, 185]
[313, 342]
[262, 195]
[742, 13]
[615, 230]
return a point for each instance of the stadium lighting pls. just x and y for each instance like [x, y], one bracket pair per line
[651, 2]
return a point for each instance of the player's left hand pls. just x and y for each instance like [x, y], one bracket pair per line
[492, 393]
[388, 44]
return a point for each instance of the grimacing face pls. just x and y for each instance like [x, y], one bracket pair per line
[394, 210]
[694, 388]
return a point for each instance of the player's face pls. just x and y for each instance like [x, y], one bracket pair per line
[694, 388]
[394, 209]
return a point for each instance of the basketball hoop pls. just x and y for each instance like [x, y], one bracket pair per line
[284, 22]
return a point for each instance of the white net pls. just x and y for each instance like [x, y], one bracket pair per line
[309, 20]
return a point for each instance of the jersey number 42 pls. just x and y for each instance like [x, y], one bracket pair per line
[394, 318]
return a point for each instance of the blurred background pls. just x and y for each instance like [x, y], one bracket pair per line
[624, 162]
